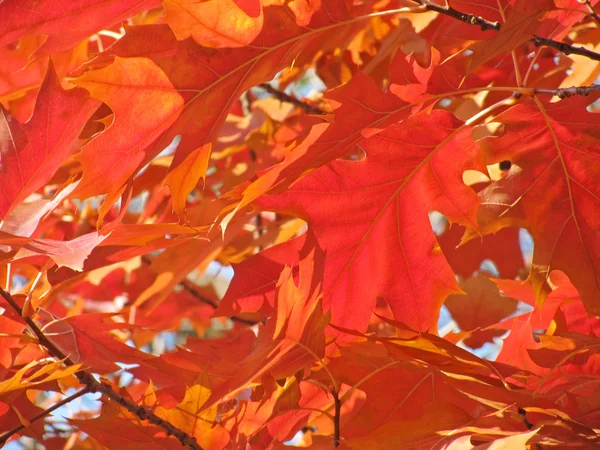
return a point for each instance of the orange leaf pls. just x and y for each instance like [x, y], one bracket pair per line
[145, 104]
[215, 23]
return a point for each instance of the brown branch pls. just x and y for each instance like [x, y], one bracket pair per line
[484, 24]
[567, 49]
[467, 18]
[44, 413]
[569, 91]
[191, 288]
[283, 97]
[528, 424]
[526, 421]
[92, 385]
[258, 217]
[592, 12]
[337, 405]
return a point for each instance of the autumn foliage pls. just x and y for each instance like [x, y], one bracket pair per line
[233, 224]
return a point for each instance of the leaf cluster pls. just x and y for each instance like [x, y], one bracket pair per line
[234, 224]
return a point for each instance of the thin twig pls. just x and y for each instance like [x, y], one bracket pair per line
[569, 91]
[258, 230]
[528, 424]
[44, 413]
[567, 49]
[467, 18]
[191, 288]
[593, 14]
[484, 24]
[337, 405]
[283, 97]
[87, 379]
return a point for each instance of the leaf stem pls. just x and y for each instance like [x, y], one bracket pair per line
[518, 76]
[484, 112]
[531, 66]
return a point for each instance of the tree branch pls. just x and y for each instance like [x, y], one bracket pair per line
[593, 14]
[92, 385]
[190, 287]
[283, 97]
[528, 424]
[567, 49]
[337, 405]
[569, 91]
[44, 413]
[467, 18]
[484, 24]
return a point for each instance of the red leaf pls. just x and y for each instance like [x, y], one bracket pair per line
[550, 189]
[86, 339]
[252, 289]
[203, 77]
[119, 429]
[371, 217]
[56, 20]
[482, 306]
[31, 154]
[502, 247]
[69, 254]
[361, 110]
[521, 23]
[145, 104]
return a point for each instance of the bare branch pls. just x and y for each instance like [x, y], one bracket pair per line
[528, 424]
[337, 405]
[92, 385]
[44, 413]
[191, 288]
[283, 97]
[484, 24]
[567, 49]
[569, 91]
[470, 19]
[593, 14]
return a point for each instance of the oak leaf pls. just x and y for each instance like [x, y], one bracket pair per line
[208, 81]
[550, 189]
[33, 152]
[522, 20]
[378, 224]
[215, 23]
[55, 19]
[480, 306]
